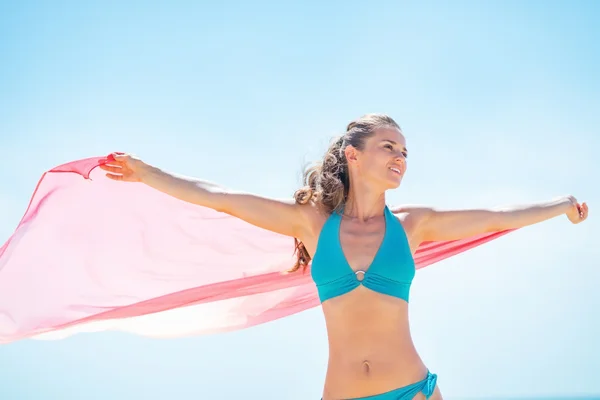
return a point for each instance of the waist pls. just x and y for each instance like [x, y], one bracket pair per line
[384, 349]
[370, 345]
[372, 361]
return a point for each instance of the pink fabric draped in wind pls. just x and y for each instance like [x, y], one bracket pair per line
[91, 254]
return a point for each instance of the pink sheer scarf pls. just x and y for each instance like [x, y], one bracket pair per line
[91, 254]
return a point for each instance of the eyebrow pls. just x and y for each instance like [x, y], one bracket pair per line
[394, 143]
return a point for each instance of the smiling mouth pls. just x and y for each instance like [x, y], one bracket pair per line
[396, 170]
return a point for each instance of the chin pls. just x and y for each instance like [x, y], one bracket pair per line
[393, 184]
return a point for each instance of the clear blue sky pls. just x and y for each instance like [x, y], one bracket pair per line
[499, 102]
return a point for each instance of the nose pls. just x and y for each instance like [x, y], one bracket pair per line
[401, 158]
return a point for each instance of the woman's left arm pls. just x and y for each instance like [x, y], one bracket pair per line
[439, 225]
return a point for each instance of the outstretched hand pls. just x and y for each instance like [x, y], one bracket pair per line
[578, 212]
[124, 167]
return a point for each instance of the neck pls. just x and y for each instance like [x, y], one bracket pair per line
[364, 203]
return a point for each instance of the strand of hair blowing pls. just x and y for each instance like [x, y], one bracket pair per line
[327, 181]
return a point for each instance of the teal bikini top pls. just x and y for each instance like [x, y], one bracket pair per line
[391, 272]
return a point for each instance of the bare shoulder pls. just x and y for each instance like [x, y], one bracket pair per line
[314, 216]
[411, 214]
[412, 217]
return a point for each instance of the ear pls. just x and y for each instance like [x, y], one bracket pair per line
[351, 154]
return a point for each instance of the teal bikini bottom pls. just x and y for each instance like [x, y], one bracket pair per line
[426, 386]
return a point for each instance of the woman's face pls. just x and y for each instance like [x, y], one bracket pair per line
[382, 161]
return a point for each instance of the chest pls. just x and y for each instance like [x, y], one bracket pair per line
[377, 251]
[360, 243]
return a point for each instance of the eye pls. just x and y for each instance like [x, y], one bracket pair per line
[405, 154]
[389, 146]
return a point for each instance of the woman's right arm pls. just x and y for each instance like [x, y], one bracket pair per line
[281, 216]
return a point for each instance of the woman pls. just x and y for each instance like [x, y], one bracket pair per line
[361, 250]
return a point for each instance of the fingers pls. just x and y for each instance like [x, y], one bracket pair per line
[115, 177]
[114, 162]
[117, 173]
[118, 168]
[117, 156]
[122, 157]
[112, 168]
[583, 211]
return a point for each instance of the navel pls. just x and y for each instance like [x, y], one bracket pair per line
[366, 367]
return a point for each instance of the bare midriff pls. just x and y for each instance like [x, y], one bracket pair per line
[370, 346]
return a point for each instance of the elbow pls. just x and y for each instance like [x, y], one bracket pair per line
[217, 199]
